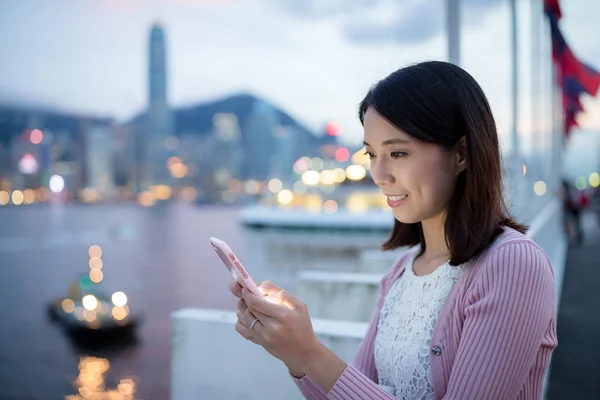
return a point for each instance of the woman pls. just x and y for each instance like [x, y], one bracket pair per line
[469, 311]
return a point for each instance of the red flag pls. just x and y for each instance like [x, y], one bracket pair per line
[552, 7]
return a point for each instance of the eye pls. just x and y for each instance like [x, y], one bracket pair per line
[397, 154]
[370, 154]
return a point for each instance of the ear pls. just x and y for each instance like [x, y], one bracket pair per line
[461, 155]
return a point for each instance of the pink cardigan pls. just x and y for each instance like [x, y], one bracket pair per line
[492, 340]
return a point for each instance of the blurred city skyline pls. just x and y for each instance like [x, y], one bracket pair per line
[314, 59]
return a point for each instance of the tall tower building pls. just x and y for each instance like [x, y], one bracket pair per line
[159, 119]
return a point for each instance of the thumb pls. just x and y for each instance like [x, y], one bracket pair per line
[285, 298]
[268, 288]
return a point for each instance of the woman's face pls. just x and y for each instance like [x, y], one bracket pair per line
[418, 178]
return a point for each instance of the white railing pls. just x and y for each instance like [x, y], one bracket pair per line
[210, 360]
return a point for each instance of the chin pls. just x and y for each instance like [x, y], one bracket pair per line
[405, 217]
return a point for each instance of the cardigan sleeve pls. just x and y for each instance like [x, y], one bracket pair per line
[359, 380]
[508, 313]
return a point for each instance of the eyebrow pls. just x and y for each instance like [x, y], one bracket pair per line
[390, 142]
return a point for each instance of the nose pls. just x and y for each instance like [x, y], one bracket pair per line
[382, 174]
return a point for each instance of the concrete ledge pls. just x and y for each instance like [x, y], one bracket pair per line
[344, 296]
[211, 361]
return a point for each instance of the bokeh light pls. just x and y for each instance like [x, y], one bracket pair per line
[119, 299]
[285, 197]
[29, 196]
[594, 179]
[119, 313]
[342, 154]
[28, 164]
[299, 187]
[56, 184]
[340, 175]
[316, 163]
[68, 305]
[539, 188]
[356, 172]
[17, 197]
[189, 193]
[581, 182]
[301, 165]
[311, 178]
[146, 199]
[356, 203]
[330, 207]
[90, 302]
[96, 275]
[36, 136]
[95, 263]
[327, 177]
[275, 185]
[95, 251]
[313, 203]
[4, 198]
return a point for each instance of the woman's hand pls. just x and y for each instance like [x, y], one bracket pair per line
[283, 327]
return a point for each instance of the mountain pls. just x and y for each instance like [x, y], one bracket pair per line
[199, 118]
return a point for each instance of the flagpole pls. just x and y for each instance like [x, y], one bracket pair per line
[453, 30]
[516, 164]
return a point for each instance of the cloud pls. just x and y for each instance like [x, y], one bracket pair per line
[408, 21]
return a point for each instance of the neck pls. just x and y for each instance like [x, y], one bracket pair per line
[435, 237]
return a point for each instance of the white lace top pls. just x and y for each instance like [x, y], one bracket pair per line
[406, 322]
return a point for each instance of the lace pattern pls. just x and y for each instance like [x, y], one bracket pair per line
[405, 327]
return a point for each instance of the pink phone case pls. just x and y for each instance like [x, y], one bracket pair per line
[234, 266]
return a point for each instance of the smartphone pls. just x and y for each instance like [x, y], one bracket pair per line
[234, 266]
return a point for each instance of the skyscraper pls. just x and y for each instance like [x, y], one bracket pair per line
[159, 119]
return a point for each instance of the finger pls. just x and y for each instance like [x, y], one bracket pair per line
[245, 332]
[249, 318]
[235, 288]
[241, 318]
[284, 298]
[256, 303]
[268, 288]
[241, 306]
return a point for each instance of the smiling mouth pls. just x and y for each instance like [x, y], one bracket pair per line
[397, 198]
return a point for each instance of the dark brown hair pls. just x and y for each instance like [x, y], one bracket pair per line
[439, 102]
